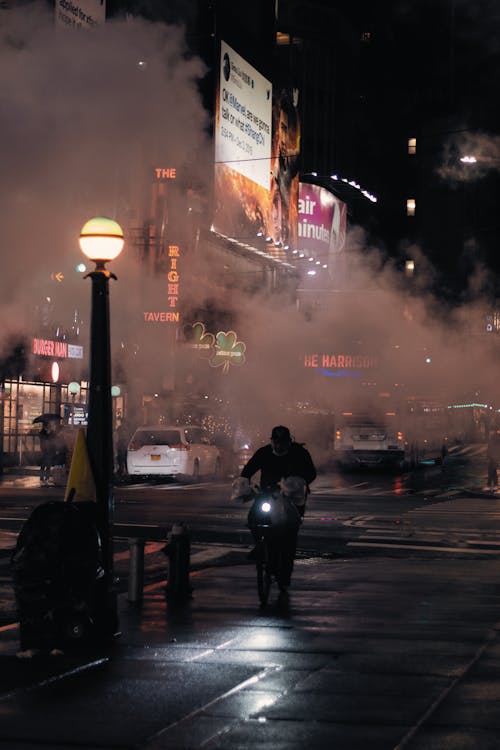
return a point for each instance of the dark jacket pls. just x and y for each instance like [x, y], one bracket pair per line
[297, 462]
[47, 446]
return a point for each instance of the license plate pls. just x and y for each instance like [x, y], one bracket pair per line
[154, 457]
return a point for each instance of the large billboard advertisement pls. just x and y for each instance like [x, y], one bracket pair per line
[80, 13]
[256, 155]
[322, 223]
[284, 196]
[243, 134]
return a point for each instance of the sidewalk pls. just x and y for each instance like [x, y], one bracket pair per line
[371, 653]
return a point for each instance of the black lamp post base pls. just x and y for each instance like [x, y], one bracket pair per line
[106, 625]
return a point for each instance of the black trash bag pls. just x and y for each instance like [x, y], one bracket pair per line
[55, 566]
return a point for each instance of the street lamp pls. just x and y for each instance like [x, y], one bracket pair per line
[73, 390]
[101, 240]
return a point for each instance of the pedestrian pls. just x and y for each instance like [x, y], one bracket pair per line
[47, 453]
[122, 441]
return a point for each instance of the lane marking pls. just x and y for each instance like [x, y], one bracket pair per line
[425, 547]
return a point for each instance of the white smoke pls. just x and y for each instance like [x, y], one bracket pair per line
[83, 123]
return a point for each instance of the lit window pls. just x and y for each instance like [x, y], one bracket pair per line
[412, 145]
[282, 39]
[411, 205]
[366, 36]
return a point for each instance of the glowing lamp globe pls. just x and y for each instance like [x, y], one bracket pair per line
[74, 388]
[101, 239]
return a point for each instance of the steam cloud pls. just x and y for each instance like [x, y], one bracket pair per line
[82, 123]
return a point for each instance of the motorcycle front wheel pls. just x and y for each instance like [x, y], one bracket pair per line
[263, 571]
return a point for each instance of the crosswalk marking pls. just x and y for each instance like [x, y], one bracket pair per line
[171, 486]
[426, 548]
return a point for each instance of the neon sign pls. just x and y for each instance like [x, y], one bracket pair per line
[59, 349]
[165, 173]
[222, 349]
[345, 361]
[173, 279]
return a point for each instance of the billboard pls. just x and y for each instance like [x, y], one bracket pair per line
[80, 13]
[244, 107]
[321, 224]
[256, 154]
[284, 196]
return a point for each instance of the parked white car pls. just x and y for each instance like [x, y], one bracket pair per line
[173, 451]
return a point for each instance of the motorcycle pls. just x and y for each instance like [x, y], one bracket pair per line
[274, 519]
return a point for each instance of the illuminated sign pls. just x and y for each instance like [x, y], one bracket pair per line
[199, 340]
[173, 277]
[172, 288]
[243, 122]
[257, 149]
[165, 173]
[228, 351]
[322, 222]
[59, 349]
[222, 350]
[161, 317]
[243, 148]
[54, 372]
[80, 13]
[75, 351]
[344, 361]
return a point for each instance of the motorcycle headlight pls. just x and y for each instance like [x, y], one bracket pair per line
[265, 507]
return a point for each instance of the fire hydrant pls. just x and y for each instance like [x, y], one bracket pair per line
[178, 550]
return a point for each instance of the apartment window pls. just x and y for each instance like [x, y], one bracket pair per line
[411, 205]
[282, 39]
[412, 145]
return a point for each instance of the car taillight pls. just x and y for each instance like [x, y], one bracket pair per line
[182, 447]
[133, 447]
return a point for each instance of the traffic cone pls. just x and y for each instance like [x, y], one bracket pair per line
[81, 485]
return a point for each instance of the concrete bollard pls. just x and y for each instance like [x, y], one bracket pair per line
[136, 570]
[178, 551]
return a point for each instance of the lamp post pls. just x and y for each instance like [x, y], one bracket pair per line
[101, 240]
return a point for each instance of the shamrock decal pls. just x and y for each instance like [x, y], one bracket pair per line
[202, 341]
[228, 351]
